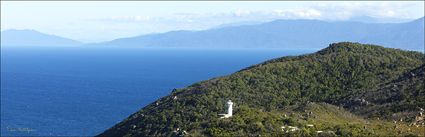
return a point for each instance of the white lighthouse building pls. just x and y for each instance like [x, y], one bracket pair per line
[229, 110]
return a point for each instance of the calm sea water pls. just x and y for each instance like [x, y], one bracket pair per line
[84, 91]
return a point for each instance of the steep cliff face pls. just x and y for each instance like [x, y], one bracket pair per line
[296, 91]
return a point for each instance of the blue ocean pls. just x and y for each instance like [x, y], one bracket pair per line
[82, 91]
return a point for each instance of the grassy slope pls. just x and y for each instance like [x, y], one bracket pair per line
[265, 92]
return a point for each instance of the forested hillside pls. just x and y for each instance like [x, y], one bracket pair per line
[316, 93]
[402, 98]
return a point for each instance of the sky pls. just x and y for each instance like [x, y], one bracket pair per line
[97, 21]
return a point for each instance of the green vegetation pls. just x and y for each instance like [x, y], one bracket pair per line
[398, 99]
[323, 90]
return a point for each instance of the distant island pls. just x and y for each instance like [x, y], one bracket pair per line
[286, 34]
[16, 38]
[346, 89]
[282, 34]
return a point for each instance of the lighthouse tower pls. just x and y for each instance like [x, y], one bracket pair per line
[229, 110]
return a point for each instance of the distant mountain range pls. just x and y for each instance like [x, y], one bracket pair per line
[284, 34]
[34, 38]
[287, 34]
[369, 19]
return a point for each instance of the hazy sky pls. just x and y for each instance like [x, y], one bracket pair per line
[100, 21]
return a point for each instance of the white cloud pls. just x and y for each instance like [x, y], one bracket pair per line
[137, 18]
[241, 13]
[297, 13]
[321, 11]
[346, 10]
